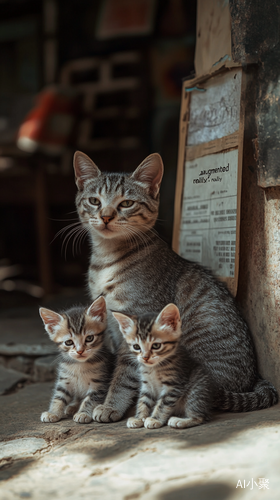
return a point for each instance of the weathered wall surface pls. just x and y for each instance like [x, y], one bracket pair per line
[255, 33]
[255, 44]
[259, 276]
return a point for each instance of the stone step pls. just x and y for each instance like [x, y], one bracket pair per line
[10, 378]
[24, 336]
[45, 368]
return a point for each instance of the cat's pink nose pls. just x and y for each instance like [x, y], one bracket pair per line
[146, 358]
[106, 218]
[80, 352]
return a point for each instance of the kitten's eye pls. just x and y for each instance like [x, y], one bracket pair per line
[68, 342]
[156, 346]
[136, 347]
[89, 338]
[94, 201]
[126, 203]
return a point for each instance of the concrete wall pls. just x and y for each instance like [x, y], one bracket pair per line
[259, 276]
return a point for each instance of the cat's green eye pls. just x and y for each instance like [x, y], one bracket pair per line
[94, 201]
[126, 203]
[136, 347]
[69, 342]
[89, 338]
[156, 345]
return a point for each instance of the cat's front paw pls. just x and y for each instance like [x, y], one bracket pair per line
[152, 423]
[105, 414]
[134, 423]
[183, 423]
[49, 417]
[82, 418]
[176, 422]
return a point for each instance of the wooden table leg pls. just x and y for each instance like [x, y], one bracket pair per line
[43, 228]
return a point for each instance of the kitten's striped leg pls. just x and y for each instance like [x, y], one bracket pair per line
[163, 409]
[94, 398]
[60, 400]
[198, 402]
[123, 388]
[144, 408]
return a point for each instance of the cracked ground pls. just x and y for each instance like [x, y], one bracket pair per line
[71, 461]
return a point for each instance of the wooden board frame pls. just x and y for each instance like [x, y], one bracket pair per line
[227, 143]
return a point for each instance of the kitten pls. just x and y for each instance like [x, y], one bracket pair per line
[174, 388]
[137, 272]
[84, 372]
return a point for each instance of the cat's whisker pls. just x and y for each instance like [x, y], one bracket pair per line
[78, 242]
[75, 240]
[66, 228]
[150, 229]
[67, 239]
[129, 234]
[82, 238]
[75, 231]
[153, 231]
[131, 238]
[143, 237]
[134, 238]
[65, 220]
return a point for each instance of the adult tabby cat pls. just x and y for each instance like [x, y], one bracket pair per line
[86, 366]
[174, 388]
[137, 272]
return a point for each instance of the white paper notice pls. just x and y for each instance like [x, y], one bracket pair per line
[208, 222]
[216, 112]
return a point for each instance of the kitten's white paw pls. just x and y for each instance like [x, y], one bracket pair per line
[104, 413]
[175, 422]
[82, 418]
[183, 423]
[133, 423]
[49, 417]
[152, 423]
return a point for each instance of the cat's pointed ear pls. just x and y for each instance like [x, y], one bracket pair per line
[97, 311]
[149, 173]
[85, 169]
[126, 323]
[169, 320]
[51, 320]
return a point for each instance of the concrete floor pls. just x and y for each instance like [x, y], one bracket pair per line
[108, 461]
[70, 461]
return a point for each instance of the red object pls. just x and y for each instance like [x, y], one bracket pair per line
[48, 126]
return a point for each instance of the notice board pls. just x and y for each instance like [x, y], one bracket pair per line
[208, 189]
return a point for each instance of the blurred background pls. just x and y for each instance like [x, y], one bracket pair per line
[101, 76]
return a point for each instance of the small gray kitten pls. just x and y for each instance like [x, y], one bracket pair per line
[86, 366]
[174, 389]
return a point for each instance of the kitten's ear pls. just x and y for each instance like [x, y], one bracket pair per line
[51, 320]
[126, 324]
[85, 169]
[97, 310]
[169, 320]
[149, 173]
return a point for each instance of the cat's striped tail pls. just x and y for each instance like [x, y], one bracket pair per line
[262, 396]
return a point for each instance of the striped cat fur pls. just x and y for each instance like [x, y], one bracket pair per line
[86, 365]
[174, 389]
[137, 272]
